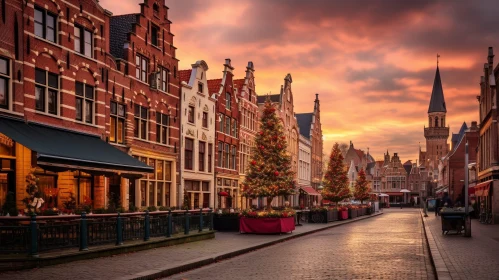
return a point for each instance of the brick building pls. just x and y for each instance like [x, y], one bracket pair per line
[488, 153]
[249, 120]
[143, 78]
[59, 78]
[227, 139]
[198, 138]
[437, 132]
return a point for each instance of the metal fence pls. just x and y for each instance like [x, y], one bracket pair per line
[32, 234]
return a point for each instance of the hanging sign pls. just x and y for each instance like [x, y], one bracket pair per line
[6, 141]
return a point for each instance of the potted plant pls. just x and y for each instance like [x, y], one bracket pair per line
[342, 213]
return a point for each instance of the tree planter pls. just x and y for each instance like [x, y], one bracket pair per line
[343, 215]
[226, 223]
[327, 216]
[352, 213]
[266, 225]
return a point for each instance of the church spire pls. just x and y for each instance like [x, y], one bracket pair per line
[437, 101]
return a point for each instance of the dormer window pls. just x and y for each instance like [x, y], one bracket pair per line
[200, 87]
[227, 101]
[155, 9]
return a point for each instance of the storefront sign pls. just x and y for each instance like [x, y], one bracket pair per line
[6, 141]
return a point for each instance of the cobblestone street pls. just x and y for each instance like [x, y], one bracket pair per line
[391, 246]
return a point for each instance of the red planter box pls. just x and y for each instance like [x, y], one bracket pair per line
[266, 225]
[343, 215]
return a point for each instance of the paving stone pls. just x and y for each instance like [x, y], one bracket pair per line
[391, 246]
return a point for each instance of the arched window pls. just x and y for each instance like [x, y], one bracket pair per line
[429, 121]
[442, 122]
[436, 121]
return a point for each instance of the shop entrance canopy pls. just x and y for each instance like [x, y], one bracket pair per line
[62, 149]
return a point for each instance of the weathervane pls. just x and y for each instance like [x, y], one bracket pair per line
[437, 58]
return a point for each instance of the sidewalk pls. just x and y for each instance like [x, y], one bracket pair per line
[154, 263]
[457, 257]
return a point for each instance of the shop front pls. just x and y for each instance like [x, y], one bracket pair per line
[227, 193]
[70, 169]
[308, 197]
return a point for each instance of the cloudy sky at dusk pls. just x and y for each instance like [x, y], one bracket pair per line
[372, 62]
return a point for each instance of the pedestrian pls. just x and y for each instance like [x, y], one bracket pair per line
[446, 201]
[437, 205]
[459, 200]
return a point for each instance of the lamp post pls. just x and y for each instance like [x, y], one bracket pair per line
[320, 188]
[467, 223]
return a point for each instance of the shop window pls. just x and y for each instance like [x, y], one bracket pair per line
[83, 40]
[152, 188]
[162, 122]
[47, 185]
[143, 189]
[85, 99]
[190, 114]
[205, 119]
[141, 119]
[141, 68]
[117, 128]
[83, 182]
[188, 155]
[202, 147]
[45, 24]
[46, 91]
[4, 82]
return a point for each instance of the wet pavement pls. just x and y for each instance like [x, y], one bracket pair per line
[390, 246]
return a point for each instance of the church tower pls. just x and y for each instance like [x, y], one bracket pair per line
[437, 132]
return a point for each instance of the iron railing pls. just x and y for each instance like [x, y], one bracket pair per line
[32, 234]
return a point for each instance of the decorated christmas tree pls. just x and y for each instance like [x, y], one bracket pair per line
[361, 188]
[269, 173]
[336, 179]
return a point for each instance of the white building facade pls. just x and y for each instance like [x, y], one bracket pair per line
[197, 189]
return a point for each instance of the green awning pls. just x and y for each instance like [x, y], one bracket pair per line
[61, 149]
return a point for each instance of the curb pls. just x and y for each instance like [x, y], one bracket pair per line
[165, 272]
[441, 270]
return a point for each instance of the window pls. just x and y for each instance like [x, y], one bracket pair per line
[233, 158]
[84, 102]
[220, 154]
[45, 24]
[189, 150]
[155, 35]
[221, 123]
[205, 119]
[234, 128]
[190, 114]
[46, 91]
[200, 87]
[202, 147]
[155, 187]
[4, 83]
[165, 75]
[227, 101]
[162, 122]
[141, 68]
[141, 118]
[117, 129]
[83, 41]
[210, 151]
[227, 125]
[226, 156]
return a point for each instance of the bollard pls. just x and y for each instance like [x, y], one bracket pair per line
[186, 225]
[119, 231]
[33, 249]
[169, 225]
[83, 232]
[200, 219]
[147, 232]
[211, 218]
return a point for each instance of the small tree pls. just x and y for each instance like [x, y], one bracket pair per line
[336, 179]
[269, 173]
[361, 188]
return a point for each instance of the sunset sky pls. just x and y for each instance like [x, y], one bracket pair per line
[372, 62]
